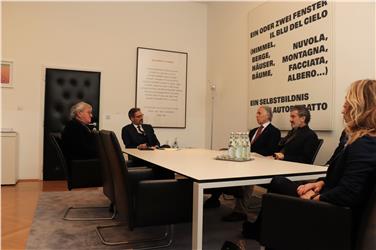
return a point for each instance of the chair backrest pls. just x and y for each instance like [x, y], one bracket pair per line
[119, 175]
[319, 144]
[56, 143]
[108, 185]
[366, 232]
[78, 173]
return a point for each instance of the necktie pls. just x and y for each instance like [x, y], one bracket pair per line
[140, 131]
[258, 133]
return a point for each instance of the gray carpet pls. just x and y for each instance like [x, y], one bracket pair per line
[50, 231]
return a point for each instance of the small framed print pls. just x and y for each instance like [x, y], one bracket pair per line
[7, 74]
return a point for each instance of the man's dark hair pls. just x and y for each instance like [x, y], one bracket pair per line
[132, 111]
[302, 111]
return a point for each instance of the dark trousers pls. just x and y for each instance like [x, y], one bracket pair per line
[282, 185]
[237, 192]
[279, 185]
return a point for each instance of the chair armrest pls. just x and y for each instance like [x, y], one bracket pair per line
[293, 223]
[85, 163]
[137, 174]
[131, 164]
[163, 202]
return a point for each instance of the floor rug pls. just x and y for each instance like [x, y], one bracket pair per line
[50, 231]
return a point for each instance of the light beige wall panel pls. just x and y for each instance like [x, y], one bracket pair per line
[227, 67]
[97, 36]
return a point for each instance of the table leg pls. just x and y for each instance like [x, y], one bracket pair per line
[198, 197]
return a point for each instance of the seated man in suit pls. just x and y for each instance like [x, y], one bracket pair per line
[137, 134]
[264, 141]
[300, 143]
[78, 141]
[142, 136]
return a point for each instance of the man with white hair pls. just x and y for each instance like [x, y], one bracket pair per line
[77, 137]
[264, 141]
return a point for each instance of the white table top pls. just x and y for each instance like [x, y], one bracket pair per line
[200, 165]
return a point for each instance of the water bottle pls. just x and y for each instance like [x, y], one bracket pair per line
[247, 146]
[244, 146]
[175, 144]
[231, 146]
[250, 146]
[238, 146]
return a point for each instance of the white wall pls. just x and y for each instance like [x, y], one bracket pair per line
[354, 29]
[227, 67]
[103, 37]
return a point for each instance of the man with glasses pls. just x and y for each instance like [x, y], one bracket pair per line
[137, 134]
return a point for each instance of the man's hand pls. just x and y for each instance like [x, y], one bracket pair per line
[314, 186]
[142, 146]
[279, 156]
[307, 195]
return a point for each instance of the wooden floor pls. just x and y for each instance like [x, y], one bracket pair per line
[18, 204]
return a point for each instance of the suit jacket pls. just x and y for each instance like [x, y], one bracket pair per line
[300, 146]
[132, 138]
[340, 147]
[78, 141]
[350, 178]
[267, 143]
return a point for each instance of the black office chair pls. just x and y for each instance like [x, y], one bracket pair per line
[319, 144]
[108, 184]
[141, 200]
[294, 224]
[79, 174]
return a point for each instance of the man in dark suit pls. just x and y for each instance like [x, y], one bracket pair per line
[300, 143]
[142, 136]
[137, 134]
[264, 139]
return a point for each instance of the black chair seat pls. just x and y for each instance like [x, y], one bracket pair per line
[291, 223]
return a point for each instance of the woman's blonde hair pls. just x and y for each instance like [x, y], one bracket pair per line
[360, 116]
[77, 108]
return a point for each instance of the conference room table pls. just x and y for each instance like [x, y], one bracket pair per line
[205, 171]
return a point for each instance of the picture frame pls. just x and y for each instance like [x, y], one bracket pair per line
[161, 87]
[7, 74]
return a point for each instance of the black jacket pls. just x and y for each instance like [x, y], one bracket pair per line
[132, 138]
[267, 143]
[339, 148]
[78, 141]
[351, 176]
[299, 145]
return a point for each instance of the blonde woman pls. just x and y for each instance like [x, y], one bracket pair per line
[351, 175]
